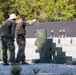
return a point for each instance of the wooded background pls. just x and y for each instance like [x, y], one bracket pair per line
[45, 10]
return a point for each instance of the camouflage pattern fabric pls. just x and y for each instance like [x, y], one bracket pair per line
[20, 28]
[21, 40]
[7, 43]
[8, 29]
[21, 50]
[7, 39]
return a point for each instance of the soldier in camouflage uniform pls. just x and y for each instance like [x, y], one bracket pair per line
[7, 39]
[21, 39]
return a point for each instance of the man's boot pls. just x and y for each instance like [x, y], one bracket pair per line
[5, 63]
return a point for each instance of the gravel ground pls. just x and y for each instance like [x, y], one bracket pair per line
[44, 69]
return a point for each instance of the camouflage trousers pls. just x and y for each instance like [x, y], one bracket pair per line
[8, 44]
[21, 49]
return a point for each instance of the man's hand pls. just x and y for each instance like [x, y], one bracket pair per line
[34, 20]
[31, 22]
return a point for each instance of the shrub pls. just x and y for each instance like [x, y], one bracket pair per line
[16, 70]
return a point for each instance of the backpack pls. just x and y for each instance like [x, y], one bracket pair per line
[20, 29]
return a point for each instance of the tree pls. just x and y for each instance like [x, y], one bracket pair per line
[45, 10]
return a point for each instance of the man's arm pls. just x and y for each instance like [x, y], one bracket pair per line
[31, 22]
[13, 29]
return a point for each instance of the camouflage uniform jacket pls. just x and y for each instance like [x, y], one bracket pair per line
[22, 30]
[8, 29]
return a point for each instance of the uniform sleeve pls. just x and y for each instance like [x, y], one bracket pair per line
[13, 29]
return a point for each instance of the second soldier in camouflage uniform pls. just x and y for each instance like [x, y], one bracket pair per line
[20, 35]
